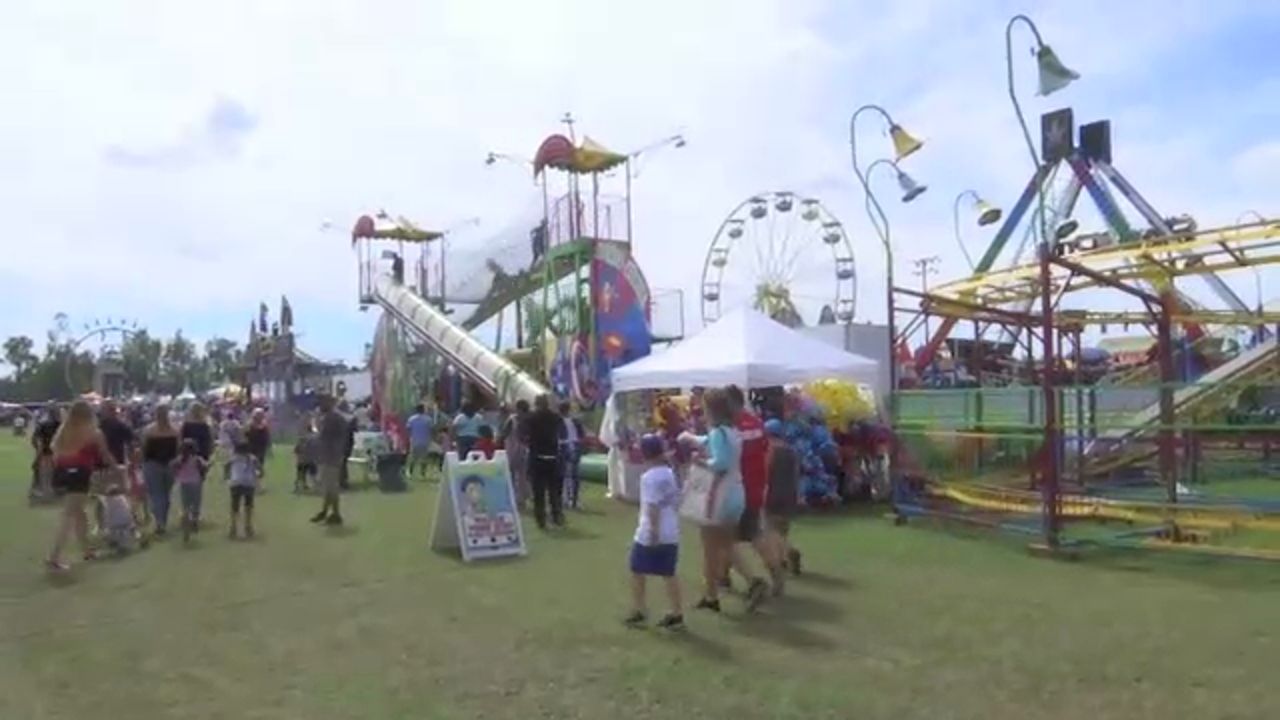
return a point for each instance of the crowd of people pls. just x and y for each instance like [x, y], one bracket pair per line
[544, 448]
[754, 493]
[123, 472]
[120, 469]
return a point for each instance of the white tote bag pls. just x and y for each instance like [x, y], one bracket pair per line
[697, 493]
[698, 481]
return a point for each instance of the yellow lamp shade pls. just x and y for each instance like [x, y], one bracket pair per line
[903, 142]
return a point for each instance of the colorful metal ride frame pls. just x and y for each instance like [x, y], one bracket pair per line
[592, 300]
[1083, 446]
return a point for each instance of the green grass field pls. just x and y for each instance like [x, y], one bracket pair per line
[891, 622]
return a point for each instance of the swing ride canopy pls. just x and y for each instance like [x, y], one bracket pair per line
[747, 349]
[366, 228]
[559, 152]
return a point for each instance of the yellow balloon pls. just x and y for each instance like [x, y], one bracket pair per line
[842, 402]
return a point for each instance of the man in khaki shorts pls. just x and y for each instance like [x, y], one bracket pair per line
[331, 456]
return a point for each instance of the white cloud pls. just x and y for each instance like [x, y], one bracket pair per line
[343, 108]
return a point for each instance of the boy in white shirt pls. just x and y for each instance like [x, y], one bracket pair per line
[657, 538]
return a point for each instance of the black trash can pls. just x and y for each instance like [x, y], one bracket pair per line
[390, 468]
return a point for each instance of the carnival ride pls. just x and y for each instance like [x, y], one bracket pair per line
[769, 253]
[570, 266]
[1060, 459]
[103, 340]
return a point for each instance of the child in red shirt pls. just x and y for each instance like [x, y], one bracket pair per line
[485, 443]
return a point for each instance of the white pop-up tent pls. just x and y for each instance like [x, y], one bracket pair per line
[743, 348]
[747, 349]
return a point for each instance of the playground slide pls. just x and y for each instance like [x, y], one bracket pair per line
[1241, 366]
[498, 376]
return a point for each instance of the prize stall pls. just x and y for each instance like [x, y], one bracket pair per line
[814, 385]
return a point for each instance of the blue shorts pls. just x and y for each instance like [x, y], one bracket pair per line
[657, 560]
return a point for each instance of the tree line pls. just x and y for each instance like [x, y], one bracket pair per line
[61, 370]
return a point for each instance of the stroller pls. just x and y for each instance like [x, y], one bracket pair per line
[120, 529]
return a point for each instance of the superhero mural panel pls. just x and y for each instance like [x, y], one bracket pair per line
[620, 305]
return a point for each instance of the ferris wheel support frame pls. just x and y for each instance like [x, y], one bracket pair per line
[126, 333]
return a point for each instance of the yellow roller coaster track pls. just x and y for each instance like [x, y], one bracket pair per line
[1169, 256]
[1084, 507]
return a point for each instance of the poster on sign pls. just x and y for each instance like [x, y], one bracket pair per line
[476, 510]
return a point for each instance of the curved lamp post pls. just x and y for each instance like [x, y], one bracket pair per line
[1053, 76]
[988, 214]
[910, 191]
[904, 144]
[875, 212]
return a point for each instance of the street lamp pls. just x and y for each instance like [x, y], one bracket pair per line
[988, 214]
[1052, 76]
[910, 191]
[904, 144]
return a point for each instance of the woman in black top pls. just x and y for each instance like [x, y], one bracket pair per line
[159, 448]
[196, 428]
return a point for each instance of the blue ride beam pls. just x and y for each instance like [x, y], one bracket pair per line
[987, 260]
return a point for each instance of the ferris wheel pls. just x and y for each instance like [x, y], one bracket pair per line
[785, 255]
[103, 339]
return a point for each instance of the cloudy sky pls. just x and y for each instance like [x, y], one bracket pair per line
[173, 161]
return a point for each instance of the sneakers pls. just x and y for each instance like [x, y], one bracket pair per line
[56, 566]
[333, 520]
[320, 516]
[672, 622]
[708, 604]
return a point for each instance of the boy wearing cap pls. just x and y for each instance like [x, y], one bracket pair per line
[657, 537]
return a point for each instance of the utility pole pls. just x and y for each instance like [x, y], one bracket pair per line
[924, 268]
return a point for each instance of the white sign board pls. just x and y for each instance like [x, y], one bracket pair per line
[476, 510]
